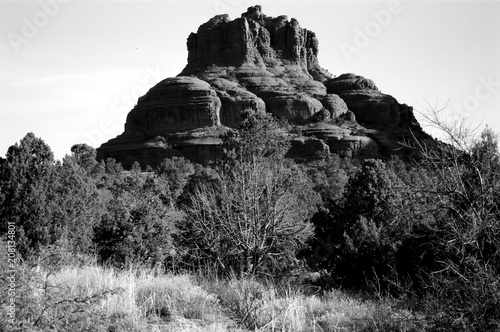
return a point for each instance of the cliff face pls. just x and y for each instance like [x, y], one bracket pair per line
[255, 40]
[371, 107]
[264, 64]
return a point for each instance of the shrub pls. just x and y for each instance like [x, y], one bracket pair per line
[138, 224]
[460, 285]
[357, 238]
[176, 171]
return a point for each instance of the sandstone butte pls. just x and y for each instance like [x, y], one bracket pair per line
[263, 64]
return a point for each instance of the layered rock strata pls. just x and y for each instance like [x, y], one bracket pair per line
[263, 64]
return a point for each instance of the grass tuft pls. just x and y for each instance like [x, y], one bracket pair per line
[96, 298]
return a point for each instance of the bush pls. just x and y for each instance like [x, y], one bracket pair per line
[176, 171]
[139, 234]
[459, 283]
[357, 238]
[139, 223]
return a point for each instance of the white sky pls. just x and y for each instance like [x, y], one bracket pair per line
[71, 70]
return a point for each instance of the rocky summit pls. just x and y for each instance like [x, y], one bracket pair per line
[263, 64]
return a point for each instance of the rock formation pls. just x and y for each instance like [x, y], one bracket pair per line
[371, 107]
[263, 64]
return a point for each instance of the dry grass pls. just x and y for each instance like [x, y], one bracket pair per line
[148, 300]
[145, 300]
[287, 308]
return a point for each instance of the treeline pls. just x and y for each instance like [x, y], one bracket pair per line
[427, 232]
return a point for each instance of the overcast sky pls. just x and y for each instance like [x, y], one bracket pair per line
[71, 70]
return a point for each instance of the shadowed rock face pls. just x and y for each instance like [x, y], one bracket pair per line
[371, 107]
[235, 100]
[255, 40]
[272, 58]
[264, 64]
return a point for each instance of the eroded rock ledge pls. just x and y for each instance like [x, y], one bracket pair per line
[264, 64]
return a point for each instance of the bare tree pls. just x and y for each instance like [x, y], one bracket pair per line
[462, 194]
[254, 218]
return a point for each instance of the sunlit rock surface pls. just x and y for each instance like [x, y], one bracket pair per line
[263, 64]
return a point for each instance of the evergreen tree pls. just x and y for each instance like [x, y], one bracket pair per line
[52, 204]
[139, 221]
[357, 237]
[85, 156]
[176, 171]
[75, 206]
[25, 179]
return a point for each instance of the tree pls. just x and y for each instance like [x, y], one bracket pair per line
[85, 156]
[329, 176]
[461, 286]
[51, 203]
[139, 222]
[54, 205]
[259, 136]
[75, 206]
[176, 171]
[253, 217]
[357, 237]
[25, 177]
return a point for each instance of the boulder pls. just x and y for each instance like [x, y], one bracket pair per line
[348, 82]
[295, 107]
[334, 104]
[360, 146]
[307, 148]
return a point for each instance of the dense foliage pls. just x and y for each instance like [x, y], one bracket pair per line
[428, 232]
[359, 231]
